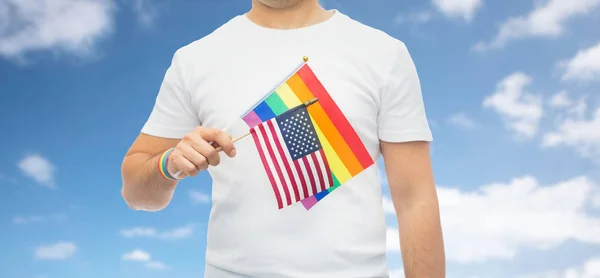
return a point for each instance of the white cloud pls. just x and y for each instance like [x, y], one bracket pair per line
[577, 132]
[38, 168]
[547, 19]
[578, 109]
[589, 269]
[146, 12]
[381, 175]
[413, 18]
[177, 233]
[397, 273]
[462, 120]
[506, 217]
[156, 265]
[567, 107]
[561, 100]
[58, 217]
[521, 213]
[596, 198]
[584, 67]
[388, 205]
[71, 26]
[392, 239]
[464, 9]
[139, 255]
[199, 197]
[139, 232]
[58, 251]
[520, 109]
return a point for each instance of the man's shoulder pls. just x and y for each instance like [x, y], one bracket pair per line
[368, 45]
[365, 33]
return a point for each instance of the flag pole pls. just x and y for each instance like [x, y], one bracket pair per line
[305, 104]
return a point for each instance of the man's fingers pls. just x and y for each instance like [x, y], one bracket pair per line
[219, 139]
[194, 153]
[195, 157]
[181, 163]
[224, 141]
[206, 150]
[193, 149]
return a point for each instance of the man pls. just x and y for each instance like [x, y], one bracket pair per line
[213, 80]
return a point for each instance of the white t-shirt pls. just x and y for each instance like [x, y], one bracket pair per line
[214, 80]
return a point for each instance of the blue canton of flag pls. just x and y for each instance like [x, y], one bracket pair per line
[298, 132]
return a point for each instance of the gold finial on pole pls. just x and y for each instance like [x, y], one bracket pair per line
[310, 101]
[305, 58]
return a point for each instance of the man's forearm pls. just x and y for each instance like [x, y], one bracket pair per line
[421, 238]
[143, 186]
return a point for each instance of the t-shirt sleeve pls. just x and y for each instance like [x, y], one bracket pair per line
[173, 114]
[402, 115]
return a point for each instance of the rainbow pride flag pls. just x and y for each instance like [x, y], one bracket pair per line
[345, 152]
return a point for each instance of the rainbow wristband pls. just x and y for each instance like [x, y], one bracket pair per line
[162, 165]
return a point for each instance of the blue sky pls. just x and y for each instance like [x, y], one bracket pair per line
[511, 90]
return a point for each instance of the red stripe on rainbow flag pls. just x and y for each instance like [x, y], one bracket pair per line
[336, 116]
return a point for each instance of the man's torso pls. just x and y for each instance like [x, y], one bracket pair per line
[231, 69]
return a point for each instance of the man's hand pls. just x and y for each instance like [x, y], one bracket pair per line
[195, 152]
[144, 188]
[414, 196]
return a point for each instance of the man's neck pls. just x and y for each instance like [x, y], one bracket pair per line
[304, 14]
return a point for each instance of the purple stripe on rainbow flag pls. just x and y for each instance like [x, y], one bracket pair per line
[252, 119]
[314, 199]
[309, 202]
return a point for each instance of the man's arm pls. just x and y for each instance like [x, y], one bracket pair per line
[414, 196]
[144, 187]
[173, 123]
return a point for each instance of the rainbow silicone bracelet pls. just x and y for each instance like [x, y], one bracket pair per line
[162, 165]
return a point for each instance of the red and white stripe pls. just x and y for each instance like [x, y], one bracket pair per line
[292, 180]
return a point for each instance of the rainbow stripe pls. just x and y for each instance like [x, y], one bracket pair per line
[345, 152]
[162, 165]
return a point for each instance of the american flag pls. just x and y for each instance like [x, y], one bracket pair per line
[292, 156]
